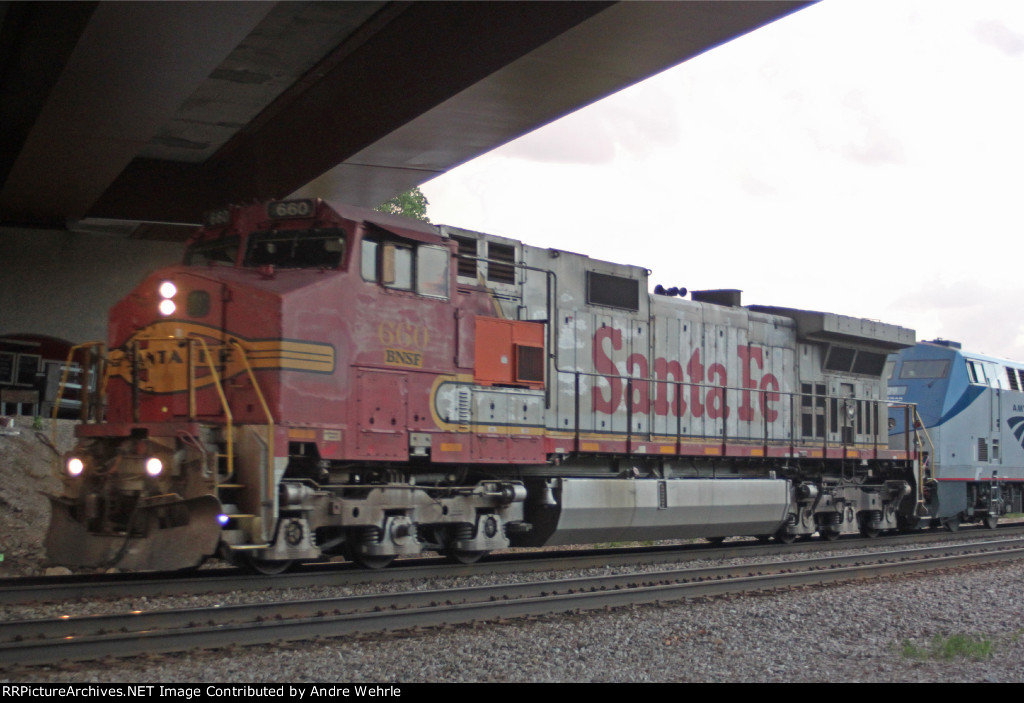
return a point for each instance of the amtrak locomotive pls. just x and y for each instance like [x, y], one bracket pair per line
[971, 409]
[320, 381]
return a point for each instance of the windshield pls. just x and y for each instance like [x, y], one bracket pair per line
[213, 251]
[925, 368]
[296, 248]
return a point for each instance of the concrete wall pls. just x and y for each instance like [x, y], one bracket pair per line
[62, 283]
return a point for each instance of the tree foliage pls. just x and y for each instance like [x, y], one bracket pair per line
[411, 203]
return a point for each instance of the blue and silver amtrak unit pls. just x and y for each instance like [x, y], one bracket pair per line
[970, 422]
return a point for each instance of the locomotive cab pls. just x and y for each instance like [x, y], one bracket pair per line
[283, 373]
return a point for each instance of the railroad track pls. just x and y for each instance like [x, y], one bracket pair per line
[61, 589]
[92, 637]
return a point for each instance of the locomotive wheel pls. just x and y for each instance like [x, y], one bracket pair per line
[368, 561]
[715, 540]
[262, 567]
[829, 535]
[266, 567]
[465, 556]
[952, 524]
[869, 532]
[991, 521]
[784, 537]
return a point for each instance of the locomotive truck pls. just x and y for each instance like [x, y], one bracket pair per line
[318, 380]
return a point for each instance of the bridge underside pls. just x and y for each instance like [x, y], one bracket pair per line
[156, 112]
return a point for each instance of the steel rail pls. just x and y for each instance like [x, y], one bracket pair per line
[135, 585]
[298, 620]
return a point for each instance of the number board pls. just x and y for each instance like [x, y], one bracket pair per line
[283, 209]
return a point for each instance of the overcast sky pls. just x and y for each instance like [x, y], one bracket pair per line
[861, 157]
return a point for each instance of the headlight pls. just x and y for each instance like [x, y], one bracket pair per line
[167, 291]
[154, 466]
[75, 466]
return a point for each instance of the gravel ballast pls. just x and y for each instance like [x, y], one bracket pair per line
[885, 630]
[960, 625]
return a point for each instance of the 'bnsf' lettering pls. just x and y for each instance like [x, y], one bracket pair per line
[703, 392]
[401, 357]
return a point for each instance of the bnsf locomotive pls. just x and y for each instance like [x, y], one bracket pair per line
[318, 381]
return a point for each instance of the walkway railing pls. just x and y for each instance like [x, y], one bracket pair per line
[644, 410]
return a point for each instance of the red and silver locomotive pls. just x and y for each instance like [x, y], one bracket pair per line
[320, 380]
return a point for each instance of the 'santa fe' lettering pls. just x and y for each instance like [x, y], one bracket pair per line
[668, 398]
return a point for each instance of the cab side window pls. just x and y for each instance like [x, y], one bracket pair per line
[423, 268]
[976, 372]
[432, 271]
[369, 259]
[396, 266]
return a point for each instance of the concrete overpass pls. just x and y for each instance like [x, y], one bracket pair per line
[127, 119]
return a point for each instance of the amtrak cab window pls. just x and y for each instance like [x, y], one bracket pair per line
[976, 372]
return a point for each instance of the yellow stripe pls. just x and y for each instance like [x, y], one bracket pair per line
[169, 337]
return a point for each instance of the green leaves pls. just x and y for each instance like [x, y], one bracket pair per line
[411, 203]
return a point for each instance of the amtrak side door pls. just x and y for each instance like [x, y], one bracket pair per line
[985, 415]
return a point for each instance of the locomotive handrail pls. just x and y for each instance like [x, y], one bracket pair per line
[86, 409]
[270, 419]
[551, 294]
[87, 381]
[910, 411]
[919, 423]
[794, 440]
[229, 419]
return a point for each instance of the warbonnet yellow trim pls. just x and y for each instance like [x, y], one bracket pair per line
[163, 358]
